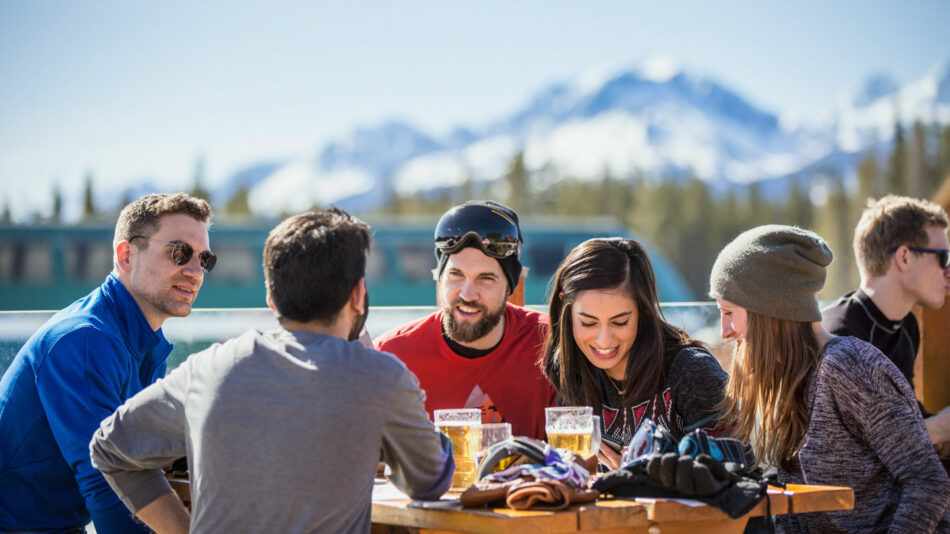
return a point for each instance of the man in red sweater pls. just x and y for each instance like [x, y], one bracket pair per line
[478, 350]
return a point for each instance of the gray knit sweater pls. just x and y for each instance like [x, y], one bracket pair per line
[283, 432]
[866, 432]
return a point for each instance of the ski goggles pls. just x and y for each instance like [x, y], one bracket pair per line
[491, 230]
[181, 253]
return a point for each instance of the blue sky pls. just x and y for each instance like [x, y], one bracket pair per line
[133, 90]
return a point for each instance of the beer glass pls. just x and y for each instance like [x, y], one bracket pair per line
[493, 433]
[595, 436]
[463, 427]
[570, 427]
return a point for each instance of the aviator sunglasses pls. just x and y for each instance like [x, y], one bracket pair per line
[943, 255]
[182, 252]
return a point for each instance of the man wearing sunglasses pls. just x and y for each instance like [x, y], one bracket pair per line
[283, 429]
[87, 360]
[478, 350]
[901, 248]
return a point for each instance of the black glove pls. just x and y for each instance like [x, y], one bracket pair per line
[699, 476]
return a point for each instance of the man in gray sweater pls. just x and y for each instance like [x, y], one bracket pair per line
[283, 429]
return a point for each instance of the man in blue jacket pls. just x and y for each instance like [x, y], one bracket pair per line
[87, 360]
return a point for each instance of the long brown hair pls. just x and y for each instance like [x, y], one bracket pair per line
[606, 264]
[770, 371]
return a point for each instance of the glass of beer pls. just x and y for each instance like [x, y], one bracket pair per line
[463, 427]
[570, 427]
[493, 433]
[595, 436]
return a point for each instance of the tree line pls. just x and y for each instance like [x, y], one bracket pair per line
[689, 222]
[679, 215]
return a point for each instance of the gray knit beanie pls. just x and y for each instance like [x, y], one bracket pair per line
[773, 270]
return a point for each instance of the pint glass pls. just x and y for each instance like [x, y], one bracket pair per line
[462, 426]
[493, 433]
[570, 427]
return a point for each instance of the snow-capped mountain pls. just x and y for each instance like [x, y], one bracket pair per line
[655, 118]
[866, 115]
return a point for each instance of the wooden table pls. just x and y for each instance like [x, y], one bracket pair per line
[646, 516]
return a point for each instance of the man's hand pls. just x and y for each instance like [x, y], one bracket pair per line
[938, 427]
[165, 515]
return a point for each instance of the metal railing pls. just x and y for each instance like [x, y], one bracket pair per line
[206, 326]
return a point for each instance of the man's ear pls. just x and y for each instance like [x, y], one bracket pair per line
[270, 304]
[358, 295]
[123, 256]
[902, 259]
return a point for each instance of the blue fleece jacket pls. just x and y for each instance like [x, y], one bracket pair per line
[72, 373]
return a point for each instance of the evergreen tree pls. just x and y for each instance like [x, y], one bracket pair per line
[869, 178]
[895, 182]
[635, 189]
[517, 180]
[943, 157]
[6, 216]
[698, 246]
[917, 161]
[759, 209]
[932, 176]
[88, 204]
[466, 191]
[198, 189]
[798, 208]
[730, 219]
[56, 214]
[126, 200]
[836, 225]
[238, 205]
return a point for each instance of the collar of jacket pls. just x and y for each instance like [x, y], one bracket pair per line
[139, 337]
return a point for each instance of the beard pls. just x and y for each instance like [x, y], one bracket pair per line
[162, 302]
[467, 332]
[360, 320]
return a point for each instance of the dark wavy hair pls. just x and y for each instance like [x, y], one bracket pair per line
[607, 264]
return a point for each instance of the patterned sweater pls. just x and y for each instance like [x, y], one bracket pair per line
[695, 385]
[866, 432]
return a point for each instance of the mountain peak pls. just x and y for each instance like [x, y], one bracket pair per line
[940, 74]
[873, 89]
[660, 69]
[379, 148]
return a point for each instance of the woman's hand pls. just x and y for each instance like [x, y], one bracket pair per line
[608, 457]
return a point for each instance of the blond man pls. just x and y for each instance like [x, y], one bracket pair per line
[904, 258]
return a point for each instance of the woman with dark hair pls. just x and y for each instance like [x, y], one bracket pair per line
[609, 347]
[823, 409]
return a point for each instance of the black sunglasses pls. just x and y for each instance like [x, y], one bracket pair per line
[943, 255]
[489, 229]
[182, 252]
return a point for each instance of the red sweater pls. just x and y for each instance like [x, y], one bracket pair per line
[505, 383]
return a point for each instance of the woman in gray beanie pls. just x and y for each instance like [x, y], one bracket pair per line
[827, 410]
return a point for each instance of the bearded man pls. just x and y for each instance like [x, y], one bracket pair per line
[478, 350]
